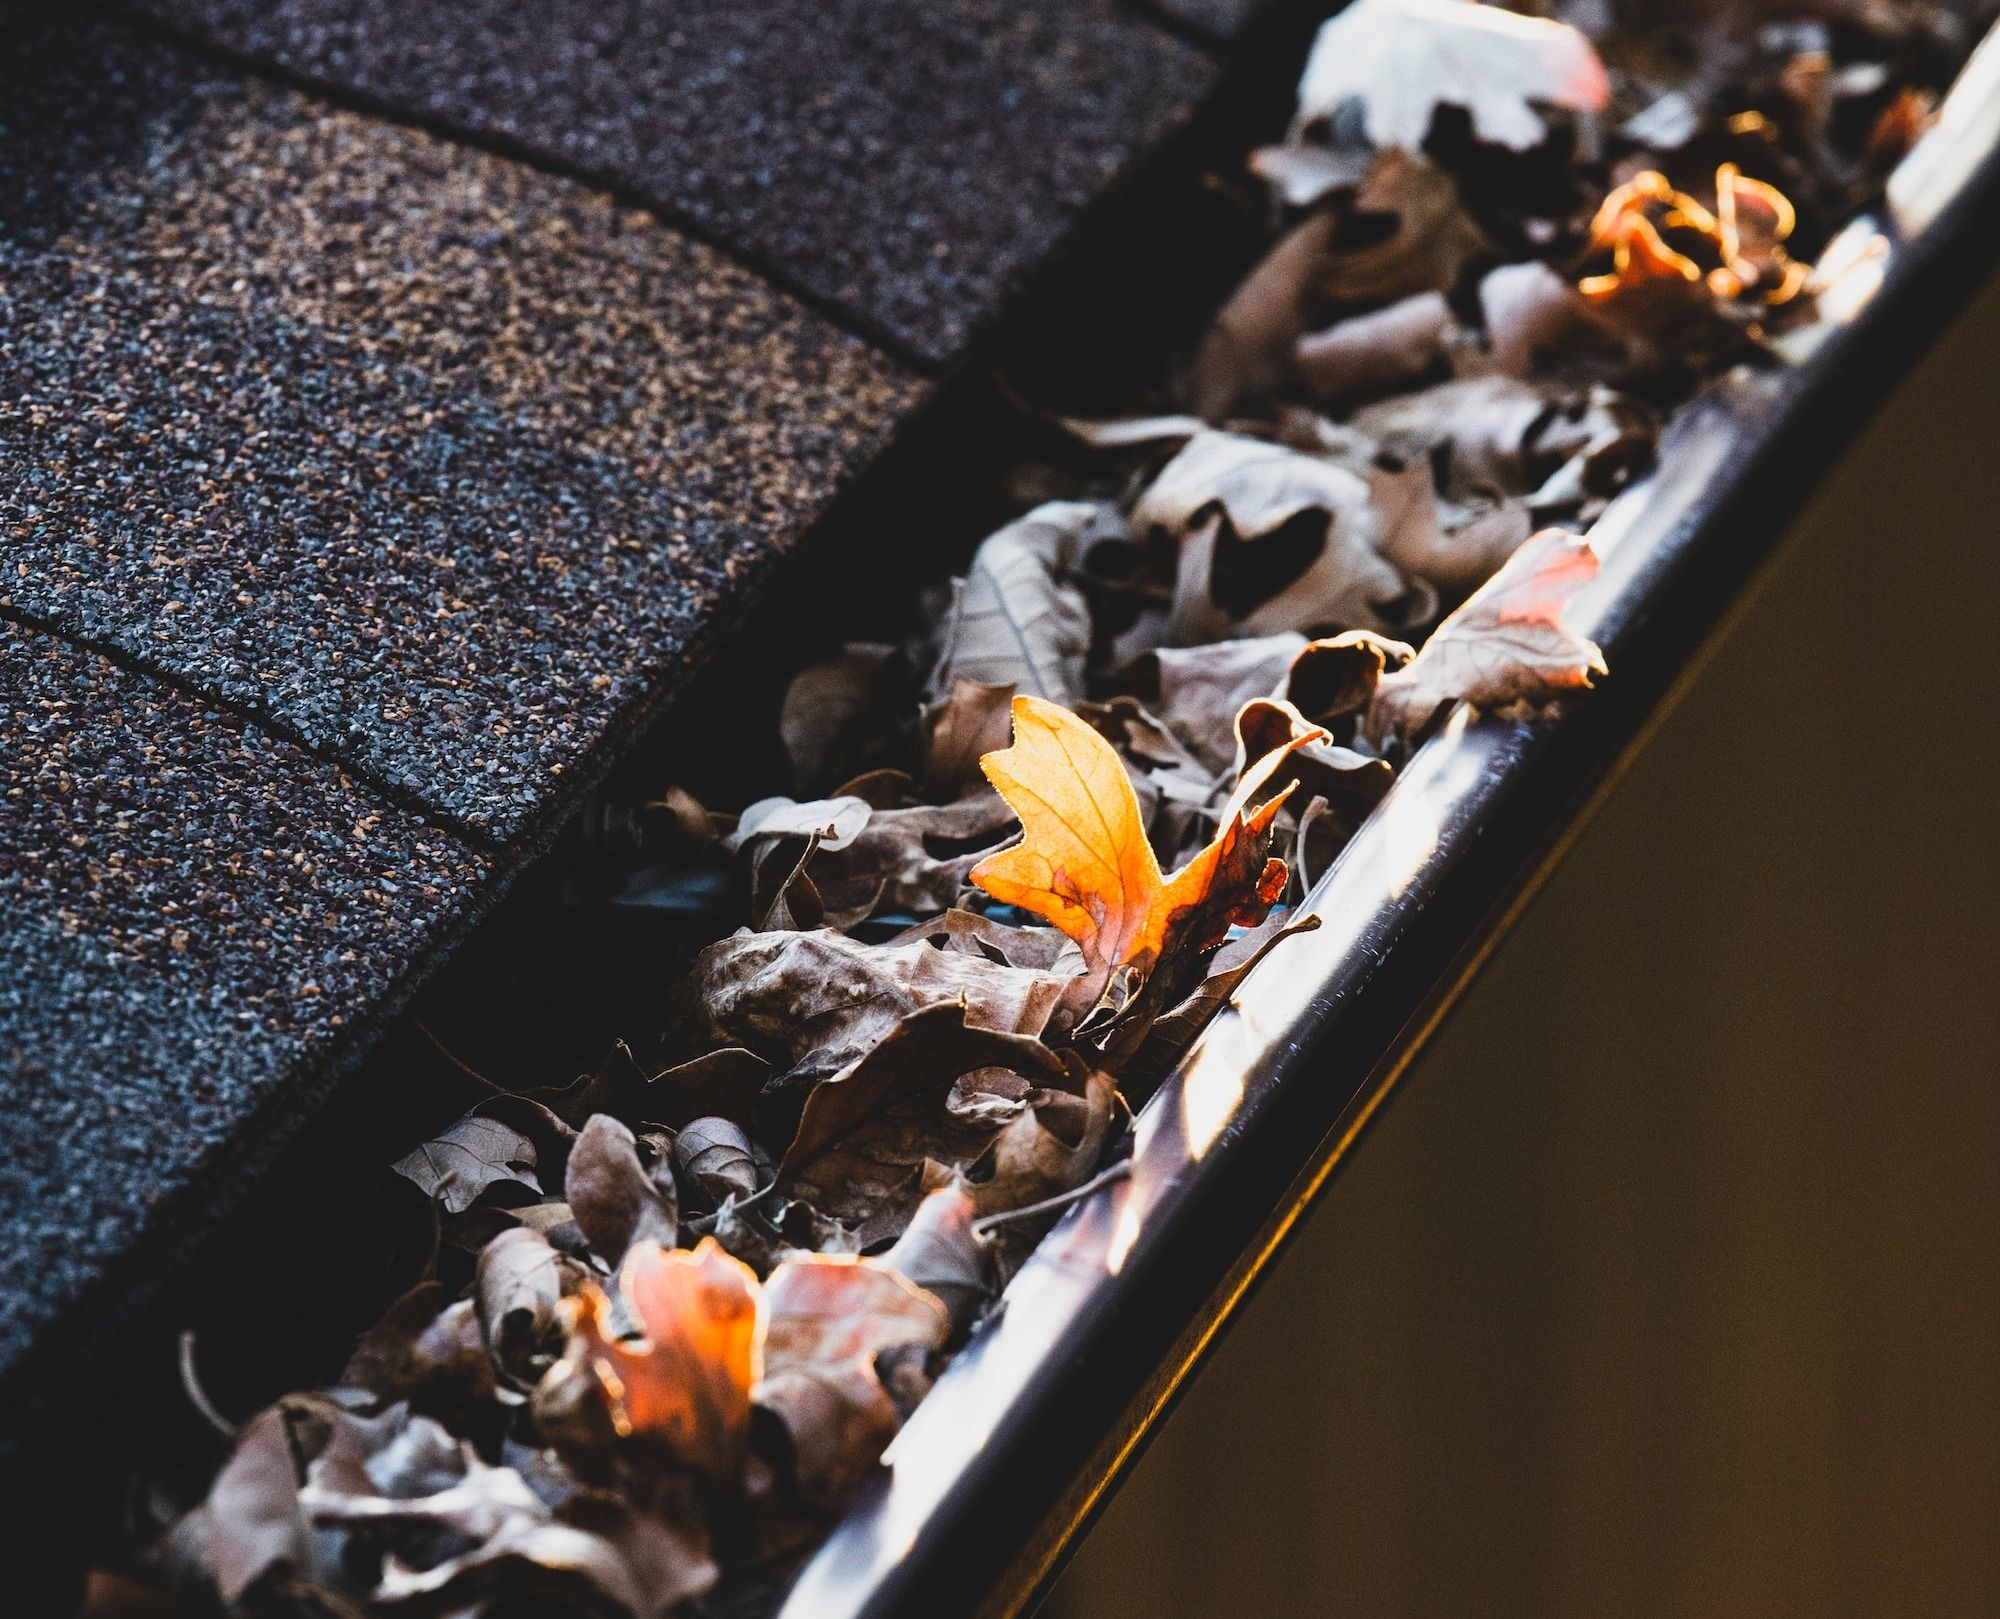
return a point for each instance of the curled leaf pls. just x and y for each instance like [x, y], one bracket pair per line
[520, 1283]
[929, 1048]
[1402, 59]
[1020, 620]
[719, 1157]
[826, 1319]
[1372, 352]
[1507, 644]
[1270, 539]
[944, 1254]
[613, 1196]
[474, 1154]
[815, 1002]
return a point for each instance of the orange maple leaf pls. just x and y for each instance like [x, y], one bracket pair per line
[1084, 864]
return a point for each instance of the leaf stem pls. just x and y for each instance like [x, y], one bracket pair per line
[1062, 1200]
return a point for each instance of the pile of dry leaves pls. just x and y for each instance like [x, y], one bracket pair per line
[1034, 849]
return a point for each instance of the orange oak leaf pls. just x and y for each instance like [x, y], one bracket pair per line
[1084, 862]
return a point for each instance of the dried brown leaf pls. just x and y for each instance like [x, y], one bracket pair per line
[723, 1084]
[1019, 619]
[1371, 353]
[972, 718]
[969, 933]
[826, 1318]
[520, 1282]
[719, 1157]
[838, 716]
[1270, 539]
[944, 1254]
[255, 1525]
[930, 1048]
[817, 1001]
[615, 1197]
[1506, 645]
[1197, 690]
[474, 1154]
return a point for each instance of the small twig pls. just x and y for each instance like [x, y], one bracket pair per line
[458, 1062]
[198, 1396]
[1062, 1200]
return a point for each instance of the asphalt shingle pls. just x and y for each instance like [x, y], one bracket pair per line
[444, 464]
[909, 159]
[192, 911]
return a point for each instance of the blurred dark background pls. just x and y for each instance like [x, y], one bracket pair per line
[1671, 1283]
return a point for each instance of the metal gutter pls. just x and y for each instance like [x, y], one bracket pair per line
[1002, 1469]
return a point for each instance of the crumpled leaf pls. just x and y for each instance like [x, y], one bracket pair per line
[972, 718]
[1533, 317]
[544, 1568]
[1019, 620]
[1314, 766]
[1084, 862]
[1337, 677]
[826, 1318]
[686, 1384]
[518, 1288]
[836, 822]
[1370, 353]
[1405, 232]
[762, 1230]
[1452, 547]
[254, 1521]
[483, 1504]
[1147, 1050]
[1402, 231]
[1047, 1148]
[1270, 539]
[1402, 59]
[1495, 437]
[943, 1253]
[875, 1177]
[910, 858]
[1505, 645]
[838, 716]
[1197, 690]
[474, 1154]
[719, 1157]
[615, 1198]
[930, 1048]
[815, 1002]
[969, 933]
[670, 1560]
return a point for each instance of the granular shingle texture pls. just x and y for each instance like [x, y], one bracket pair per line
[191, 911]
[442, 463]
[909, 159]
[1216, 18]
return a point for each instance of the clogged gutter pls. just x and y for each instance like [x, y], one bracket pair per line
[681, 1304]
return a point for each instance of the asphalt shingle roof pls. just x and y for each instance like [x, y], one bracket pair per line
[909, 160]
[191, 913]
[367, 473]
[439, 462]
